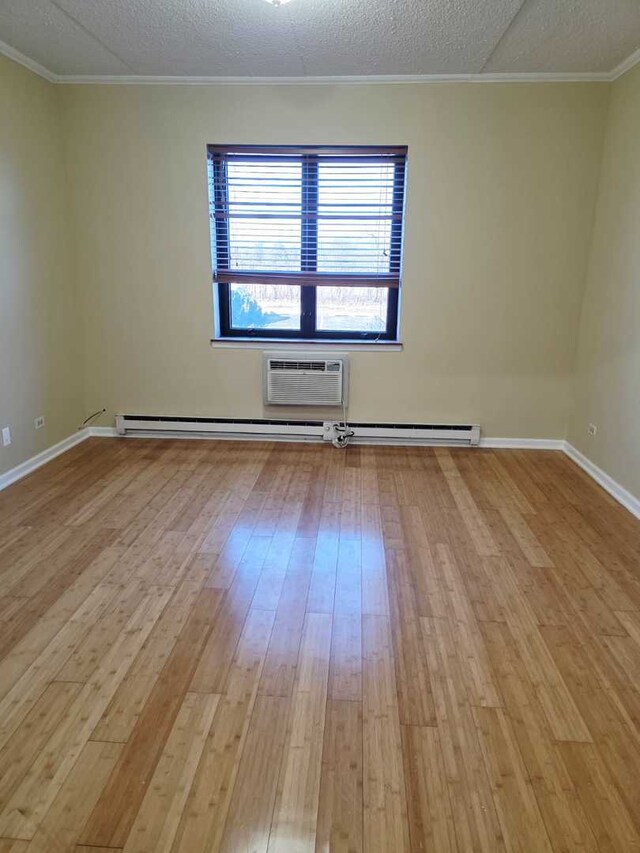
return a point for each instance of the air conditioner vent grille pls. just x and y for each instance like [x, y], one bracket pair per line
[279, 364]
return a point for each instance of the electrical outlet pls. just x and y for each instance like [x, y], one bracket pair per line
[593, 429]
[6, 437]
[39, 422]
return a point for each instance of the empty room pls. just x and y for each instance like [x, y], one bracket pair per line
[320, 426]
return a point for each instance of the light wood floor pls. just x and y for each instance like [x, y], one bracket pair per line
[223, 646]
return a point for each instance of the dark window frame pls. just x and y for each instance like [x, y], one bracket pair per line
[309, 157]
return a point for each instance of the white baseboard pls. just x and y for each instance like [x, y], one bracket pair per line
[523, 443]
[622, 495]
[102, 432]
[42, 458]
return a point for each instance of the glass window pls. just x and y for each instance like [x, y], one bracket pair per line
[307, 242]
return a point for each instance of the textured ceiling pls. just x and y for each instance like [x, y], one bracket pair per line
[246, 38]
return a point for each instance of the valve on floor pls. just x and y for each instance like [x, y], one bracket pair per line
[341, 435]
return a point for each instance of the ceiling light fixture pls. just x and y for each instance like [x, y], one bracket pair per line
[277, 2]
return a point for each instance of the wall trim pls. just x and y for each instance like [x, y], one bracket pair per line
[622, 495]
[40, 459]
[353, 80]
[523, 443]
[31, 64]
[626, 65]
[103, 432]
[358, 80]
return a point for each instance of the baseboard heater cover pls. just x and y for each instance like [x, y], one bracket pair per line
[382, 433]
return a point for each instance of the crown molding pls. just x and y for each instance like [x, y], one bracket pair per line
[364, 80]
[354, 80]
[31, 64]
[626, 65]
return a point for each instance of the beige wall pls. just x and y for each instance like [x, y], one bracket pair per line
[608, 363]
[503, 182]
[501, 191]
[39, 319]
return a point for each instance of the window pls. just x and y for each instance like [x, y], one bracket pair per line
[307, 242]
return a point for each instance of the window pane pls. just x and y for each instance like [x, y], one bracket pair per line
[264, 306]
[352, 309]
[355, 204]
[264, 215]
[354, 247]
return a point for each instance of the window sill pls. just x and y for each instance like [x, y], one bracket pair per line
[287, 343]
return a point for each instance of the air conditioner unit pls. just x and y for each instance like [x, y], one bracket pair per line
[299, 380]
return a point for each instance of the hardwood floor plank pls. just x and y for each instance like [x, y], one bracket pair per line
[475, 816]
[325, 561]
[375, 596]
[258, 646]
[225, 565]
[32, 735]
[282, 656]
[13, 845]
[311, 511]
[62, 824]
[524, 536]
[348, 594]
[518, 810]
[122, 713]
[431, 818]
[10, 606]
[512, 494]
[156, 822]
[345, 674]
[84, 848]
[116, 810]
[215, 661]
[203, 819]
[385, 805]
[557, 702]
[45, 777]
[416, 565]
[296, 810]
[602, 804]
[41, 543]
[61, 627]
[47, 582]
[340, 805]
[414, 692]
[254, 793]
[559, 804]
[469, 512]
[102, 634]
[33, 668]
[464, 626]
[613, 731]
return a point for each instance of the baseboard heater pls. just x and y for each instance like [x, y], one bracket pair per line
[290, 430]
